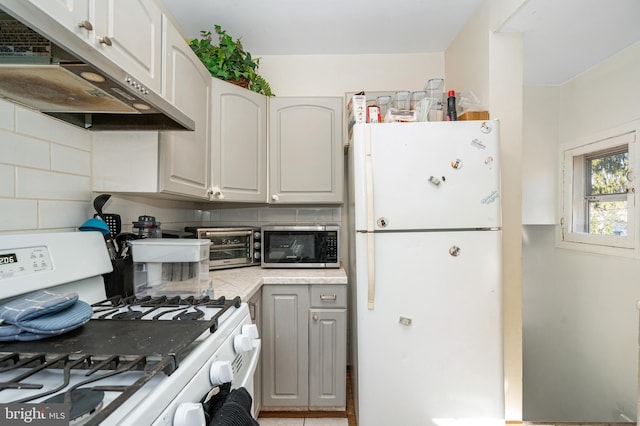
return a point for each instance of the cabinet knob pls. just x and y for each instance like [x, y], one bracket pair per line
[275, 197]
[86, 25]
[315, 317]
[105, 40]
[219, 195]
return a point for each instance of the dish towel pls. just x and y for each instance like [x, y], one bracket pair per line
[42, 314]
[236, 410]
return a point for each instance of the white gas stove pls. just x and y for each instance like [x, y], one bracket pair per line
[136, 361]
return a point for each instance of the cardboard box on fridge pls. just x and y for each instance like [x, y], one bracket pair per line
[356, 112]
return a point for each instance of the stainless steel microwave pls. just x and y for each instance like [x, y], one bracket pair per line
[300, 246]
[231, 247]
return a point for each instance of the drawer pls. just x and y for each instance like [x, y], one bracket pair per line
[328, 296]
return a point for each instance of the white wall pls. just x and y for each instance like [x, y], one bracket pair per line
[335, 75]
[579, 318]
[540, 149]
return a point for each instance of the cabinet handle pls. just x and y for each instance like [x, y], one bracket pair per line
[328, 297]
[105, 40]
[315, 317]
[275, 197]
[252, 311]
[86, 25]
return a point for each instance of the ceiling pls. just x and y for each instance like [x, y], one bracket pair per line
[561, 38]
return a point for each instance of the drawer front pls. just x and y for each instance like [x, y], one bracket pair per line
[328, 296]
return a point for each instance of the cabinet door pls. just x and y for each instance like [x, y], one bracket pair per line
[285, 346]
[184, 155]
[238, 143]
[305, 150]
[71, 14]
[130, 34]
[328, 358]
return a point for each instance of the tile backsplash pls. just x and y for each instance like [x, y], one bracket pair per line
[45, 172]
[45, 185]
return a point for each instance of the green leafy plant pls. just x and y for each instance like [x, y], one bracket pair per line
[229, 61]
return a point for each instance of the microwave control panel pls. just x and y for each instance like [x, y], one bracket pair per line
[332, 246]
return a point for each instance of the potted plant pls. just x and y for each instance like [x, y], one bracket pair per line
[229, 61]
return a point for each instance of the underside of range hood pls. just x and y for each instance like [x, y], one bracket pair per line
[36, 73]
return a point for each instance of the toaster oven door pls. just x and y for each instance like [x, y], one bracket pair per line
[229, 249]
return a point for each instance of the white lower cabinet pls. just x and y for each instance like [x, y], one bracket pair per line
[304, 347]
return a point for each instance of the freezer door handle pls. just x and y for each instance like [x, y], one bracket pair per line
[371, 290]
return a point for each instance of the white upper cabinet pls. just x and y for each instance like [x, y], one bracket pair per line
[184, 155]
[126, 32]
[172, 163]
[72, 14]
[305, 150]
[238, 144]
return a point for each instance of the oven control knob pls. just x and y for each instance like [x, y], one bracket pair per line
[221, 372]
[189, 413]
[250, 330]
[242, 343]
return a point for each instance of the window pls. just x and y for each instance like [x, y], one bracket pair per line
[599, 197]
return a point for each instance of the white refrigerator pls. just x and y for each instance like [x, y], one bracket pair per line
[426, 263]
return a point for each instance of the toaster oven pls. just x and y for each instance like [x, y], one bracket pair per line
[231, 247]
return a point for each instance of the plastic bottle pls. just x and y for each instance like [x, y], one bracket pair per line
[452, 115]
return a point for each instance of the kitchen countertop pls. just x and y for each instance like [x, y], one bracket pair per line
[245, 282]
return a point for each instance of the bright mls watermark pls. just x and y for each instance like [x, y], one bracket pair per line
[34, 414]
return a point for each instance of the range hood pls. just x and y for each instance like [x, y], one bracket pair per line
[92, 93]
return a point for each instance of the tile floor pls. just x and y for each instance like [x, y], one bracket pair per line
[303, 422]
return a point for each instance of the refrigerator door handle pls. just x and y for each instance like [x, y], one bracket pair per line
[371, 292]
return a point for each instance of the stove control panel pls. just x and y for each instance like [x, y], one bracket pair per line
[24, 261]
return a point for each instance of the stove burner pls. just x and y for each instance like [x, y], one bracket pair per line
[130, 314]
[84, 402]
[193, 315]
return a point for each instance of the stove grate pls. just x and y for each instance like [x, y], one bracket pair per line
[149, 347]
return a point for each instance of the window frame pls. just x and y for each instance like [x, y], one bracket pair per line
[573, 193]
